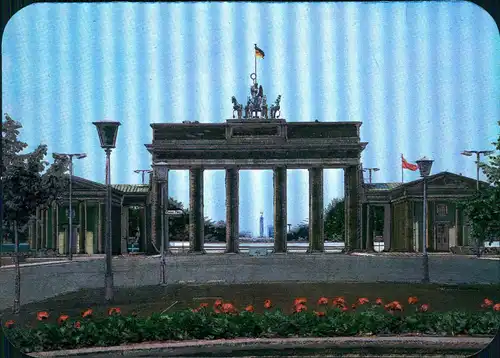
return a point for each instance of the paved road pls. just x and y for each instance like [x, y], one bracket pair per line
[44, 281]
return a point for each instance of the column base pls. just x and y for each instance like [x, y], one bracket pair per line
[279, 252]
[196, 252]
[311, 251]
[236, 252]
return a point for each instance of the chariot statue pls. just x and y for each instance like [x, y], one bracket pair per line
[275, 108]
[256, 106]
[237, 107]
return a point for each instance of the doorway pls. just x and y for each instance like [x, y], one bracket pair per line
[442, 236]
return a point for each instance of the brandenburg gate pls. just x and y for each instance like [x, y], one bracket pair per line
[257, 138]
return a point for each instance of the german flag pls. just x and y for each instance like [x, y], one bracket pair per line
[258, 52]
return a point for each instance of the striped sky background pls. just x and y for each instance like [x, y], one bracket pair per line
[424, 78]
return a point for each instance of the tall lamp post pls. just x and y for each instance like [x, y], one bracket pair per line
[70, 156]
[370, 170]
[478, 153]
[425, 165]
[161, 173]
[107, 132]
[142, 172]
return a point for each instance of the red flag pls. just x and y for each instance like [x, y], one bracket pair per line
[407, 165]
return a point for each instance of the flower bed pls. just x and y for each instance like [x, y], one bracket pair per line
[329, 317]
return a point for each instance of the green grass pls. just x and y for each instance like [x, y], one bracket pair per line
[146, 300]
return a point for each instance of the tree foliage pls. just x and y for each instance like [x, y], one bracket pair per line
[334, 220]
[29, 181]
[483, 209]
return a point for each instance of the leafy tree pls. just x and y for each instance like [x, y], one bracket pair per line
[335, 220]
[299, 232]
[483, 209]
[27, 185]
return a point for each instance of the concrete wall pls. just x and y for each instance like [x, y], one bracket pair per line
[45, 281]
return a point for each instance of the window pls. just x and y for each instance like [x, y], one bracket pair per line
[442, 209]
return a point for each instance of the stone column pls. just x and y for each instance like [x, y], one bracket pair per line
[368, 228]
[280, 214]
[352, 208]
[387, 227]
[232, 210]
[316, 224]
[164, 221]
[99, 228]
[196, 218]
[144, 230]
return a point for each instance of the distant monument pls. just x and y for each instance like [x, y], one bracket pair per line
[261, 222]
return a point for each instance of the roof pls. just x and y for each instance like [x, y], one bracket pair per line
[382, 186]
[430, 178]
[132, 188]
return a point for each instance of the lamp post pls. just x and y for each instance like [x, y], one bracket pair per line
[161, 173]
[425, 165]
[370, 170]
[107, 132]
[142, 172]
[478, 153]
[69, 156]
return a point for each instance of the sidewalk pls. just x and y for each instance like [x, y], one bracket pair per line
[222, 346]
[40, 261]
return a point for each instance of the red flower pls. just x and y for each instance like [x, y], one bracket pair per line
[218, 303]
[323, 301]
[424, 307]
[394, 306]
[300, 300]
[379, 302]
[353, 306]
[299, 308]
[319, 314]
[78, 324]
[9, 324]
[195, 310]
[203, 305]
[345, 308]
[42, 315]
[487, 303]
[339, 301]
[362, 301]
[114, 310]
[249, 308]
[267, 304]
[87, 313]
[228, 308]
[62, 318]
[496, 307]
[412, 300]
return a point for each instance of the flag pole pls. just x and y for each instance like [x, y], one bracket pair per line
[402, 169]
[255, 59]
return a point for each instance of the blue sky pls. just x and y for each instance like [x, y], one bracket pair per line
[424, 78]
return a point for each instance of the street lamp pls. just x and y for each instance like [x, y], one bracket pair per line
[161, 173]
[107, 132]
[142, 171]
[478, 153]
[425, 165]
[370, 170]
[69, 156]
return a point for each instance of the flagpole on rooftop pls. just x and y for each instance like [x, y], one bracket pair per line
[402, 170]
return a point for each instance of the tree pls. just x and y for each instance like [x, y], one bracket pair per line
[483, 209]
[335, 220]
[27, 185]
[299, 232]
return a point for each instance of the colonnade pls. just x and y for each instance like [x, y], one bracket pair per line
[316, 209]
